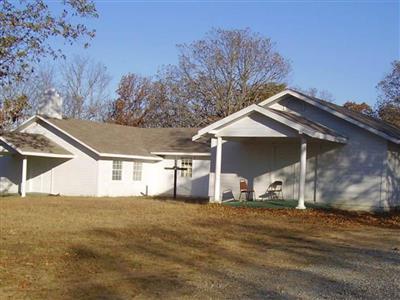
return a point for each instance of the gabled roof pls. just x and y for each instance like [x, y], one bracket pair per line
[306, 122]
[33, 145]
[371, 124]
[300, 124]
[112, 140]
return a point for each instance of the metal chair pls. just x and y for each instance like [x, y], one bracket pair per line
[245, 189]
[275, 190]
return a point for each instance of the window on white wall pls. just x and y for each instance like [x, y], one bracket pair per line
[137, 170]
[117, 170]
[188, 164]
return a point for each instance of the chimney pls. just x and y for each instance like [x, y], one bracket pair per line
[51, 105]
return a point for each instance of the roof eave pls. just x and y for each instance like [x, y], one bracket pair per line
[309, 100]
[301, 129]
[33, 153]
[127, 156]
[181, 153]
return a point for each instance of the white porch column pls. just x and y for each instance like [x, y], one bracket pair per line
[303, 165]
[23, 178]
[217, 179]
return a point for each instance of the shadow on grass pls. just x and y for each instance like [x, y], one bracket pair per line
[180, 199]
[224, 258]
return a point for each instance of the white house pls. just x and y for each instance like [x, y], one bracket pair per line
[321, 152]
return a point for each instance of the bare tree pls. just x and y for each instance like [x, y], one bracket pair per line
[27, 27]
[226, 71]
[322, 94]
[388, 106]
[84, 87]
[20, 99]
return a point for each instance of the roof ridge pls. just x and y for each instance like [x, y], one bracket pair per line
[105, 123]
[109, 138]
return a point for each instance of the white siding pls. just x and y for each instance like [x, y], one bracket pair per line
[87, 176]
[349, 176]
[40, 175]
[73, 177]
[126, 186]
[156, 180]
[260, 162]
[256, 125]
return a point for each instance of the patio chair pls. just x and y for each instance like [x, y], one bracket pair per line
[275, 191]
[244, 189]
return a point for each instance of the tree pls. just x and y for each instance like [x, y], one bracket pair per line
[322, 94]
[11, 110]
[363, 107]
[138, 101]
[27, 28]
[22, 98]
[26, 31]
[227, 71]
[84, 87]
[388, 106]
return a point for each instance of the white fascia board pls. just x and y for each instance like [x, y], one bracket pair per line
[69, 135]
[182, 153]
[100, 154]
[25, 124]
[224, 121]
[274, 98]
[10, 144]
[124, 156]
[45, 154]
[310, 101]
[256, 108]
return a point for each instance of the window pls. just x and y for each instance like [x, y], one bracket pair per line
[137, 171]
[117, 170]
[188, 164]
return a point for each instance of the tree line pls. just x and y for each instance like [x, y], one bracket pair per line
[215, 76]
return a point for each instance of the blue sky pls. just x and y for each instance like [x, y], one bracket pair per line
[344, 47]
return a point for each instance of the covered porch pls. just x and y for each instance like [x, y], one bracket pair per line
[260, 146]
[31, 160]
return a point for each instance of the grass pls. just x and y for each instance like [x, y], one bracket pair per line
[121, 248]
[274, 204]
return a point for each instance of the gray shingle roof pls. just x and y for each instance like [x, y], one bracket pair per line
[306, 123]
[33, 143]
[379, 125]
[126, 140]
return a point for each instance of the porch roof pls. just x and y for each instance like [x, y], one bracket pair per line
[29, 144]
[296, 122]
